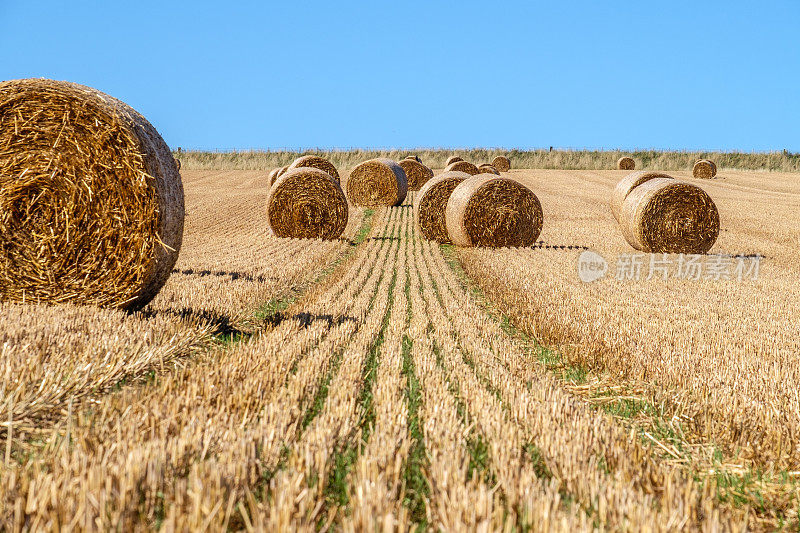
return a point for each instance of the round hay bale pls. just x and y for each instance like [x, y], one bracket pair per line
[493, 212]
[414, 157]
[501, 163]
[704, 169]
[486, 168]
[669, 216]
[272, 176]
[713, 168]
[314, 161]
[452, 159]
[278, 173]
[178, 163]
[417, 174]
[307, 203]
[91, 201]
[627, 184]
[463, 166]
[626, 163]
[375, 183]
[431, 202]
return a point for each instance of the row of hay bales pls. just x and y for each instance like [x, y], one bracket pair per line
[702, 168]
[659, 214]
[499, 164]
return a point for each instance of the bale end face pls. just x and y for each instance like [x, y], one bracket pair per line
[627, 184]
[307, 203]
[704, 169]
[313, 161]
[431, 202]
[501, 163]
[452, 159]
[486, 168]
[626, 163]
[493, 212]
[91, 200]
[417, 174]
[375, 183]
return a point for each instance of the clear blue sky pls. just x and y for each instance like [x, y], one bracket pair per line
[597, 74]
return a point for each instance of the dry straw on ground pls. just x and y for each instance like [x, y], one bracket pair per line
[704, 169]
[314, 161]
[417, 174]
[375, 183]
[452, 159]
[501, 163]
[493, 212]
[463, 166]
[669, 216]
[91, 201]
[431, 202]
[627, 184]
[486, 168]
[307, 203]
[626, 163]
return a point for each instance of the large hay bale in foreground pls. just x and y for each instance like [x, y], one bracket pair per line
[704, 169]
[501, 163]
[278, 173]
[417, 174]
[627, 184]
[486, 168]
[452, 159]
[91, 201]
[669, 216]
[314, 161]
[463, 166]
[493, 212]
[307, 203]
[431, 202]
[375, 183]
[626, 163]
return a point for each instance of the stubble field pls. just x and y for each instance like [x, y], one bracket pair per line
[384, 382]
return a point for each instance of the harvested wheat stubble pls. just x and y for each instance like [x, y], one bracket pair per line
[704, 169]
[493, 212]
[486, 168]
[626, 163]
[431, 202]
[377, 182]
[501, 163]
[452, 159]
[417, 174]
[463, 166]
[91, 201]
[313, 161]
[627, 184]
[669, 216]
[307, 203]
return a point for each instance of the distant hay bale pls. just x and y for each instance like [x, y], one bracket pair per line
[704, 169]
[626, 163]
[452, 159]
[178, 163]
[414, 157]
[278, 173]
[431, 202]
[463, 166]
[501, 163]
[307, 203]
[489, 211]
[91, 201]
[417, 174]
[486, 168]
[627, 184]
[669, 216]
[273, 175]
[313, 161]
[375, 183]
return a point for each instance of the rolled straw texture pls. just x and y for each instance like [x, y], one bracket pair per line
[501, 163]
[375, 183]
[431, 202]
[627, 184]
[463, 166]
[417, 174]
[313, 161]
[626, 163]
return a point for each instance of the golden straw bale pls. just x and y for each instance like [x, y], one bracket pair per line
[431, 202]
[463, 166]
[313, 161]
[376, 182]
[307, 203]
[278, 173]
[91, 201]
[669, 216]
[501, 163]
[414, 157]
[417, 174]
[626, 163]
[452, 159]
[489, 211]
[627, 184]
[704, 169]
[486, 168]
